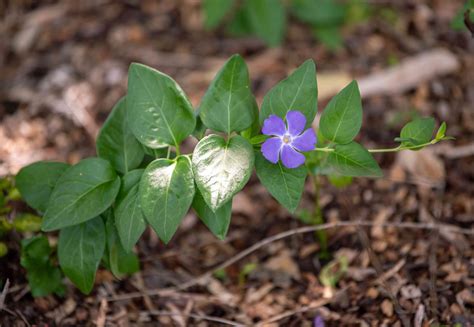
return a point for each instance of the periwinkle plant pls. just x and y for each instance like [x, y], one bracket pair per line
[101, 206]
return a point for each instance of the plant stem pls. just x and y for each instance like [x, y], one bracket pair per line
[178, 153]
[396, 149]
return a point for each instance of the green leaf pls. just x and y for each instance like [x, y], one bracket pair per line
[297, 92]
[166, 193]
[116, 143]
[218, 222]
[83, 192]
[319, 12]
[441, 133]
[284, 184]
[352, 159]
[129, 219]
[228, 103]
[330, 36]
[418, 131]
[342, 118]
[80, 249]
[267, 19]
[158, 110]
[222, 168]
[215, 11]
[121, 262]
[43, 277]
[37, 181]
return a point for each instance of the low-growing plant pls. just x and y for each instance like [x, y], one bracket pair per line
[102, 205]
[267, 19]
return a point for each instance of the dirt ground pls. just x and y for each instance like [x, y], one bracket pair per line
[64, 64]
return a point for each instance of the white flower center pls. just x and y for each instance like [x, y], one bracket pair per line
[286, 139]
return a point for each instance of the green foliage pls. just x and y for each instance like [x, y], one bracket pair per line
[342, 118]
[458, 21]
[217, 221]
[352, 159]
[222, 168]
[27, 222]
[228, 104]
[116, 142]
[333, 272]
[43, 276]
[215, 11]
[103, 205]
[297, 92]
[159, 112]
[284, 184]
[267, 19]
[37, 181]
[83, 192]
[166, 193]
[417, 132]
[119, 261]
[80, 249]
[129, 218]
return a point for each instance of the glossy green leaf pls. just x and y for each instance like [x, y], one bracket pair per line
[129, 219]
[267, 19]
[297, 92]
[166, 193]
[83, 192]
[222, 168]
[120, 262]
[80, 249]
[228, 103]
[37, 181]
[215, 11]
[43, 276]
[418, 131]
[116, 143]
[352, 159]
[284, 184]
[342, 118]
[218, 222]
[158, 110]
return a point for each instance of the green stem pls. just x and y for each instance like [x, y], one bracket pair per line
[396, 149]
[178, 153]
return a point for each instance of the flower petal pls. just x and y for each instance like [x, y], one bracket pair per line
[274, 125]
[271, 149]
[296, 122]
[291, 158]
[306, 141]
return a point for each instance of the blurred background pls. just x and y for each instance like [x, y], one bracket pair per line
[63, 65]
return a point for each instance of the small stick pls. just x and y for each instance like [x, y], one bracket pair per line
[195, 316]
[4, 294]
[277, 237]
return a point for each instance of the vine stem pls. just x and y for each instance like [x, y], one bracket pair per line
[396, 149]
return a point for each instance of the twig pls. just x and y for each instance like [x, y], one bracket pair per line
[4, 294]
[317, 304]
[194, 316]
[277, 237]
[364, 238]
[102, 316]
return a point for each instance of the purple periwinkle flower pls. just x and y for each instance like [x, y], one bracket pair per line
[288, 140]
